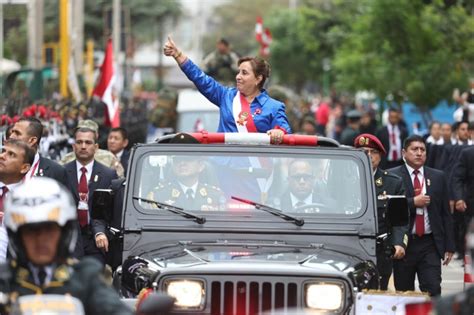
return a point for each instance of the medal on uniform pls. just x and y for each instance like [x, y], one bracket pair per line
[378, 182]
[175, 193]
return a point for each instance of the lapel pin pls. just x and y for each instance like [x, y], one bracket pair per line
[428, 182]
[41, 172]
[96, 178]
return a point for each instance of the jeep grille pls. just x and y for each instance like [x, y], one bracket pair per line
[237, 295]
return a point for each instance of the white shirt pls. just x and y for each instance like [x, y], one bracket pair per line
[3, 229]
[185, 188]
[35, 270]
[397, 147]
[432, 140]
[422, 179]
[119, 155]
[88, 168]
[307, 201]
[34, 168]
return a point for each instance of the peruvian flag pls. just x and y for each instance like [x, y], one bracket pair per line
[105, 89]
[263, 36]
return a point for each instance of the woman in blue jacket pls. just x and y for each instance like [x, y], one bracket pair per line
[244, 108]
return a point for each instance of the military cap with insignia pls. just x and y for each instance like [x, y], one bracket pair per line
[183, 138]
[366, 140]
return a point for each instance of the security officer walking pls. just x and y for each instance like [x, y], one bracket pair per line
[386, 184]
[40, 216]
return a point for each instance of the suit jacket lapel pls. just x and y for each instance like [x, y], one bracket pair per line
[407, 181]
[72, 174]
[95, 179]
[42, 167]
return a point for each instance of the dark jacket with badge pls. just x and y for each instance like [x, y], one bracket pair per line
[82, 280]
[387, 183]
[206, 197]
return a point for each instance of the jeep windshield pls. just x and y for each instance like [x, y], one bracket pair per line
[304, 185]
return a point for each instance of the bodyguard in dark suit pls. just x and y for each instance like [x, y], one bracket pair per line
[386, 183]
[392, 137]
[86, 175]
[431, 228]
[304, 194]
[30, 130]
[117, 142]
[463, 189]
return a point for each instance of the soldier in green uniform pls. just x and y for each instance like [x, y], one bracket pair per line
[221, 64]
[386, 184]
[40, 217]
[103, 156]
[186, 190]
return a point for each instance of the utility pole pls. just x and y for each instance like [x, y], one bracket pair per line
[35, 46]
[77, 22]
[64, 46]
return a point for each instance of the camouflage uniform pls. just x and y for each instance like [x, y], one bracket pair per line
[222, 67]
[206, 197]
[102, 156]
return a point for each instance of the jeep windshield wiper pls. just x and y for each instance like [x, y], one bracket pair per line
[177, 210]
[271, 210]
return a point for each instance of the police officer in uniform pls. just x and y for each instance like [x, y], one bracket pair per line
[40, 217]
[186, 190]
[386, 184]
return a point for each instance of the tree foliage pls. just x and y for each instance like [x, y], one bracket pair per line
[409, 50]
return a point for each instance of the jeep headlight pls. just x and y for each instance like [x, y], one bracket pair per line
[324, 296]
[189, 294]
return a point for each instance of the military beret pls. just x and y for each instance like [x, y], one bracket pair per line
[366, 140]
[89, 124]
[183, 138]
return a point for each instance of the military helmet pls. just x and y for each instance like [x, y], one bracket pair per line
[40, 200]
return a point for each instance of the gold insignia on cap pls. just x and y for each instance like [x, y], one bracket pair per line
[379, 182]
[175, 193]
[363, 141]
[405, 240]
[203, 192]
[61, 273]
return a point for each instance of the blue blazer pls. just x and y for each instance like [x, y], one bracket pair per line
[267, 112]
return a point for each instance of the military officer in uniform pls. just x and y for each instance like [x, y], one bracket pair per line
[186, 189]
[386, 184]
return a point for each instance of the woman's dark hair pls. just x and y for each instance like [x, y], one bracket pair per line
[259, 66]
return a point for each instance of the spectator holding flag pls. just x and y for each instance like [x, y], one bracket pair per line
[244, 108]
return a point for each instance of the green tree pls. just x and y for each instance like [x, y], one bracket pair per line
[408, 50]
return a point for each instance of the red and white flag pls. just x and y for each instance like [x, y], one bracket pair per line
[105, 89]
[263, 36]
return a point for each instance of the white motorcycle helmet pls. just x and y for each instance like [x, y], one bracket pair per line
[40, 200]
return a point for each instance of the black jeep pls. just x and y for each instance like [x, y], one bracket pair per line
[235, 225]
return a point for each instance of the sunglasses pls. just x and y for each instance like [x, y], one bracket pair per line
[299, 177]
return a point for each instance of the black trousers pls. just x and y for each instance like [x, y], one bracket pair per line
[90, 249]
[384, 267]
[423, 260]
[461, 221]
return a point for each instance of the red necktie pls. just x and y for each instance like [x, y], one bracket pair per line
[394, 143]
[82, 214]
[2, 198]
[420, 218]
